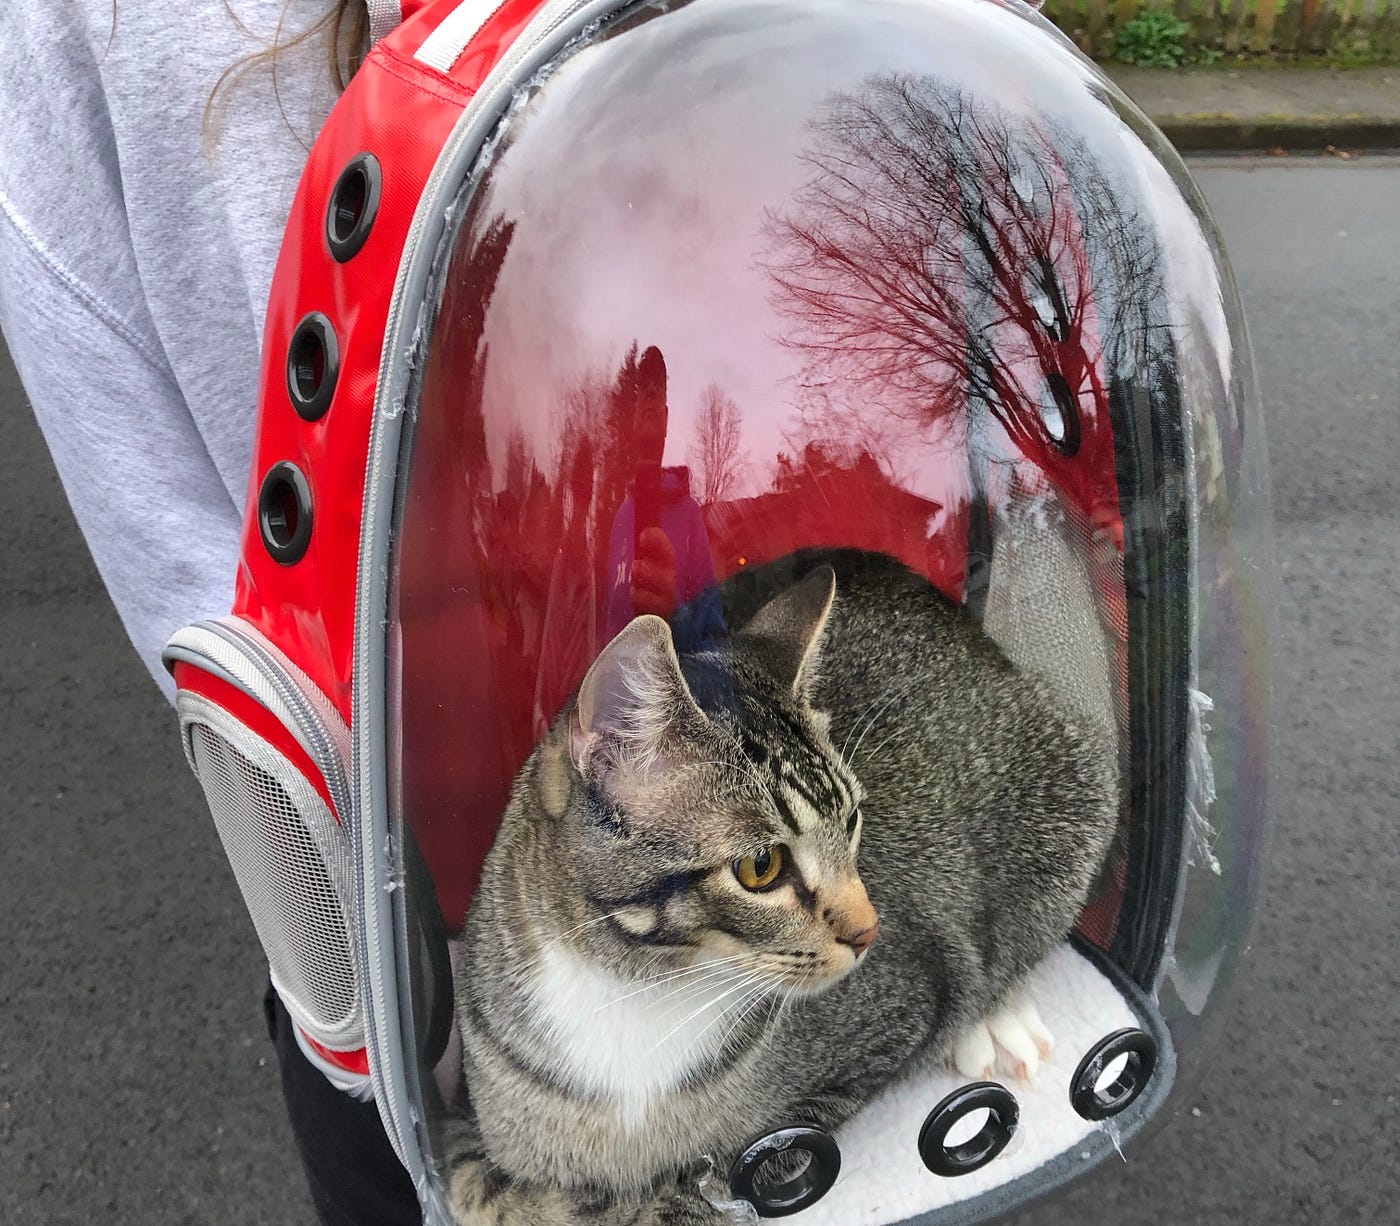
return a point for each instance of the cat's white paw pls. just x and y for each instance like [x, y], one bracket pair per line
[1011, 1041]
[974, 1054]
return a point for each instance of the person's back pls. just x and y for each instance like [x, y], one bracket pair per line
[141, 213]
[149, 154]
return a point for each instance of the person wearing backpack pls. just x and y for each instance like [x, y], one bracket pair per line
[148, 158]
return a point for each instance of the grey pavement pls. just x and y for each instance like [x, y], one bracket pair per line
[136, 1084]
[1298, 108]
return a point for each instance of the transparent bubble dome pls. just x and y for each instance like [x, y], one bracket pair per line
[735, 282]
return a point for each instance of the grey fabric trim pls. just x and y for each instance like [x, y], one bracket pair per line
[320, 721]
[186, 655]
[357, 1085]
[237, 652]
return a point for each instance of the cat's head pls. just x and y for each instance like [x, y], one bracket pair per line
[704, 815]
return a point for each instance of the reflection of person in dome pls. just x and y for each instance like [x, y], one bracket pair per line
[659, 555]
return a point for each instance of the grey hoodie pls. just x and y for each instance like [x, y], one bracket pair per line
[135, 265]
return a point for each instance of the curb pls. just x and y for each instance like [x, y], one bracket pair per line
[1230, 134]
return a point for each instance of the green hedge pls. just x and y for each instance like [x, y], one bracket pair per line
[1345, 29]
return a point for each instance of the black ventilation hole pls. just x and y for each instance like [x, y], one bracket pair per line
[1097, 1096]
[973, 1154]
[354, 203]
[284, 513]
[313, 363]
[786, 1171]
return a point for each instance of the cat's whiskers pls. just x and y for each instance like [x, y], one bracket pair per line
[531, 964]
[687, 992]
[651, 964]
[899, 693]
[684, 999]
[751, 1003]
[875, 753]
[755, 986]
[577, 928]
[856, 725]
[738, 1014]
[717, 968]
[747, 981]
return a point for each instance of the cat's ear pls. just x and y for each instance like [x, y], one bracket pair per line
[791, 625]
[633, 697]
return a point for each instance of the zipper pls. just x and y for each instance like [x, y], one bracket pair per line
[315, 717]
[379, 898]
[238, 654]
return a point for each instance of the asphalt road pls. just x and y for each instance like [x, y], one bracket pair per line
[136, 1085]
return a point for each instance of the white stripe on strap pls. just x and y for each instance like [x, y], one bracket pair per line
[444, 45]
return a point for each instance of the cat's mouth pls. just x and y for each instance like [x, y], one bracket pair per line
[812, 974]
[786, 971]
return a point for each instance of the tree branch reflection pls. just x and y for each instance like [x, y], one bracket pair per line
[946, 255]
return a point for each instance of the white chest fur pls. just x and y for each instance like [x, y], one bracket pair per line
[627, 1042]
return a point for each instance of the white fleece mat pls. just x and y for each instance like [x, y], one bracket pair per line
[883, 1180]
[882, 1177]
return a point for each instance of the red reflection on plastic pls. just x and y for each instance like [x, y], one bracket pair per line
[533, 532]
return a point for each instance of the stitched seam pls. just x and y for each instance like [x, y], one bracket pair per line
[95, 305]
[429, 80]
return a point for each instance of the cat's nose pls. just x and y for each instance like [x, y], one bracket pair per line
[853, 920]
[863, 939]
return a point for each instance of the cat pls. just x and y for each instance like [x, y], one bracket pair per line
[749, 886]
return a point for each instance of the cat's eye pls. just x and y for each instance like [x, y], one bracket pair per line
[758, 872]
[852, 822]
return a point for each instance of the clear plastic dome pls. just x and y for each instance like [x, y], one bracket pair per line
[735, 291]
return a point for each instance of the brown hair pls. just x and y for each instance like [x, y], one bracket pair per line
[348, 25]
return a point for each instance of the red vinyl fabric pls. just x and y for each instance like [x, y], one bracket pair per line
[401, 111]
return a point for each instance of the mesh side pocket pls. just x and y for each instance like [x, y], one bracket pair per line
[1050, 607]
[293, 865]
[1056, 606]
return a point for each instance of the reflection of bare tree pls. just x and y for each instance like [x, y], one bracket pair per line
[717, 456]
[618, 459]
[946, 253]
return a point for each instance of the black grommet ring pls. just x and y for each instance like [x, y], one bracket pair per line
[313, 363]
[1003, 1112]
[284, 513]
[796, 1192]
[1094, 1103]
[354, 203]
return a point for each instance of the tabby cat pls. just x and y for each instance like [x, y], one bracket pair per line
[749, 886]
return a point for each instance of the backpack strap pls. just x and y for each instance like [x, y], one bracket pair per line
[384, 15]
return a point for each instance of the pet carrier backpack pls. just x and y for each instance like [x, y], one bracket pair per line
[904, 277]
